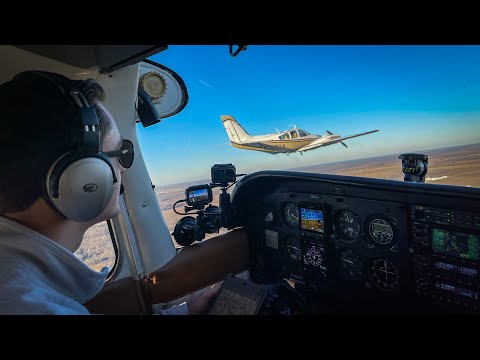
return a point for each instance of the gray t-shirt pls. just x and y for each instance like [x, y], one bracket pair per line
[39, 276]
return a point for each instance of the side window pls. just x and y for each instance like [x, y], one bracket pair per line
[302, 133]
[98, 249]
[294, 134]
[284, 137]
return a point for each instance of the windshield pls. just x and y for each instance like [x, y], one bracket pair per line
[421, 99]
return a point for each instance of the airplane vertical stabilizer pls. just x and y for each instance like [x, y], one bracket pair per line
[235, 131]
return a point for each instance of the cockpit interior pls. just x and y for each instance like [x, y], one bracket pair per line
[364, 246]
[318, 243]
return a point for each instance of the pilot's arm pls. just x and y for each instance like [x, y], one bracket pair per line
[199, 265]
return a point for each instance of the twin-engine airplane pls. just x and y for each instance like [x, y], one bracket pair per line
[289, 141]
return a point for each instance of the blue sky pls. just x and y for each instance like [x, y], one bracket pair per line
[419, 97]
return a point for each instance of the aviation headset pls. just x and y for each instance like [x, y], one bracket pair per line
[80, 183]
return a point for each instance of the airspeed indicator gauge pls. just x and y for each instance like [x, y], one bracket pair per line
[290, 214]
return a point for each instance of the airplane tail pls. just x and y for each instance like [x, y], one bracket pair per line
[235, 131]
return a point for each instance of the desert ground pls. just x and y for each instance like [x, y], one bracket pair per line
[454, 166]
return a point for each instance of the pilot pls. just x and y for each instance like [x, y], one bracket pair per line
[43, 149]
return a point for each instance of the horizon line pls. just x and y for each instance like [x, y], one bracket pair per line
[329, 163]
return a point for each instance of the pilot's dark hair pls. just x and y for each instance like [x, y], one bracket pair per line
[37, 126]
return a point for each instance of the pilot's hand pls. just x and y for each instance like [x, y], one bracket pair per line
[202, 303]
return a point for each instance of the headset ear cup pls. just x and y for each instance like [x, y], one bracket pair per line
[85, 186]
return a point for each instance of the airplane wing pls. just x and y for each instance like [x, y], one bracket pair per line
[325, 142]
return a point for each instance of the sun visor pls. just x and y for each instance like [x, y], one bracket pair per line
[166, 91]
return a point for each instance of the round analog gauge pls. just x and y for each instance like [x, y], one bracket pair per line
[293, 249]
[351, 267]
[347, 225]
[154, 84]
[380, 231]
[313, 257]
[384, 274]
[290, 214]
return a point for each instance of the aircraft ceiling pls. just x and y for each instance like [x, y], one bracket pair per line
[107, 58]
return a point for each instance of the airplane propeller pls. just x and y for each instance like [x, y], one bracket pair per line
[341, 142]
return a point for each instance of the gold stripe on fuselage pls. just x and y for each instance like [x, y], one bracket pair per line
[245, 147]
[273, 146]
[293, 145]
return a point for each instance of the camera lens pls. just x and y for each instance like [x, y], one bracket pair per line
[184, 232]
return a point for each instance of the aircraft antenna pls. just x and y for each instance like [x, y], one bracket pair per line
[236, 52]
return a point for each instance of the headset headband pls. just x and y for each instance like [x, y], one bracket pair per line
[89, 139]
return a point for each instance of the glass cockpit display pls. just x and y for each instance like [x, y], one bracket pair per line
[311, 219]
[460, 245]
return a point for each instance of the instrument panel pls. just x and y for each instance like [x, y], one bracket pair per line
[351, 247]
[322, 238]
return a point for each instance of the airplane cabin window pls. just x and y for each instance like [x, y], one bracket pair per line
[302, 133]
[98, 249]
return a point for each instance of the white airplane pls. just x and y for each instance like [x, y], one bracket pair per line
[288, 141]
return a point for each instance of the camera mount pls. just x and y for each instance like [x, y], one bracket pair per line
[209, 219]
[414, 166]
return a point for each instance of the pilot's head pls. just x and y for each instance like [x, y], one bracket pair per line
[51, 150]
